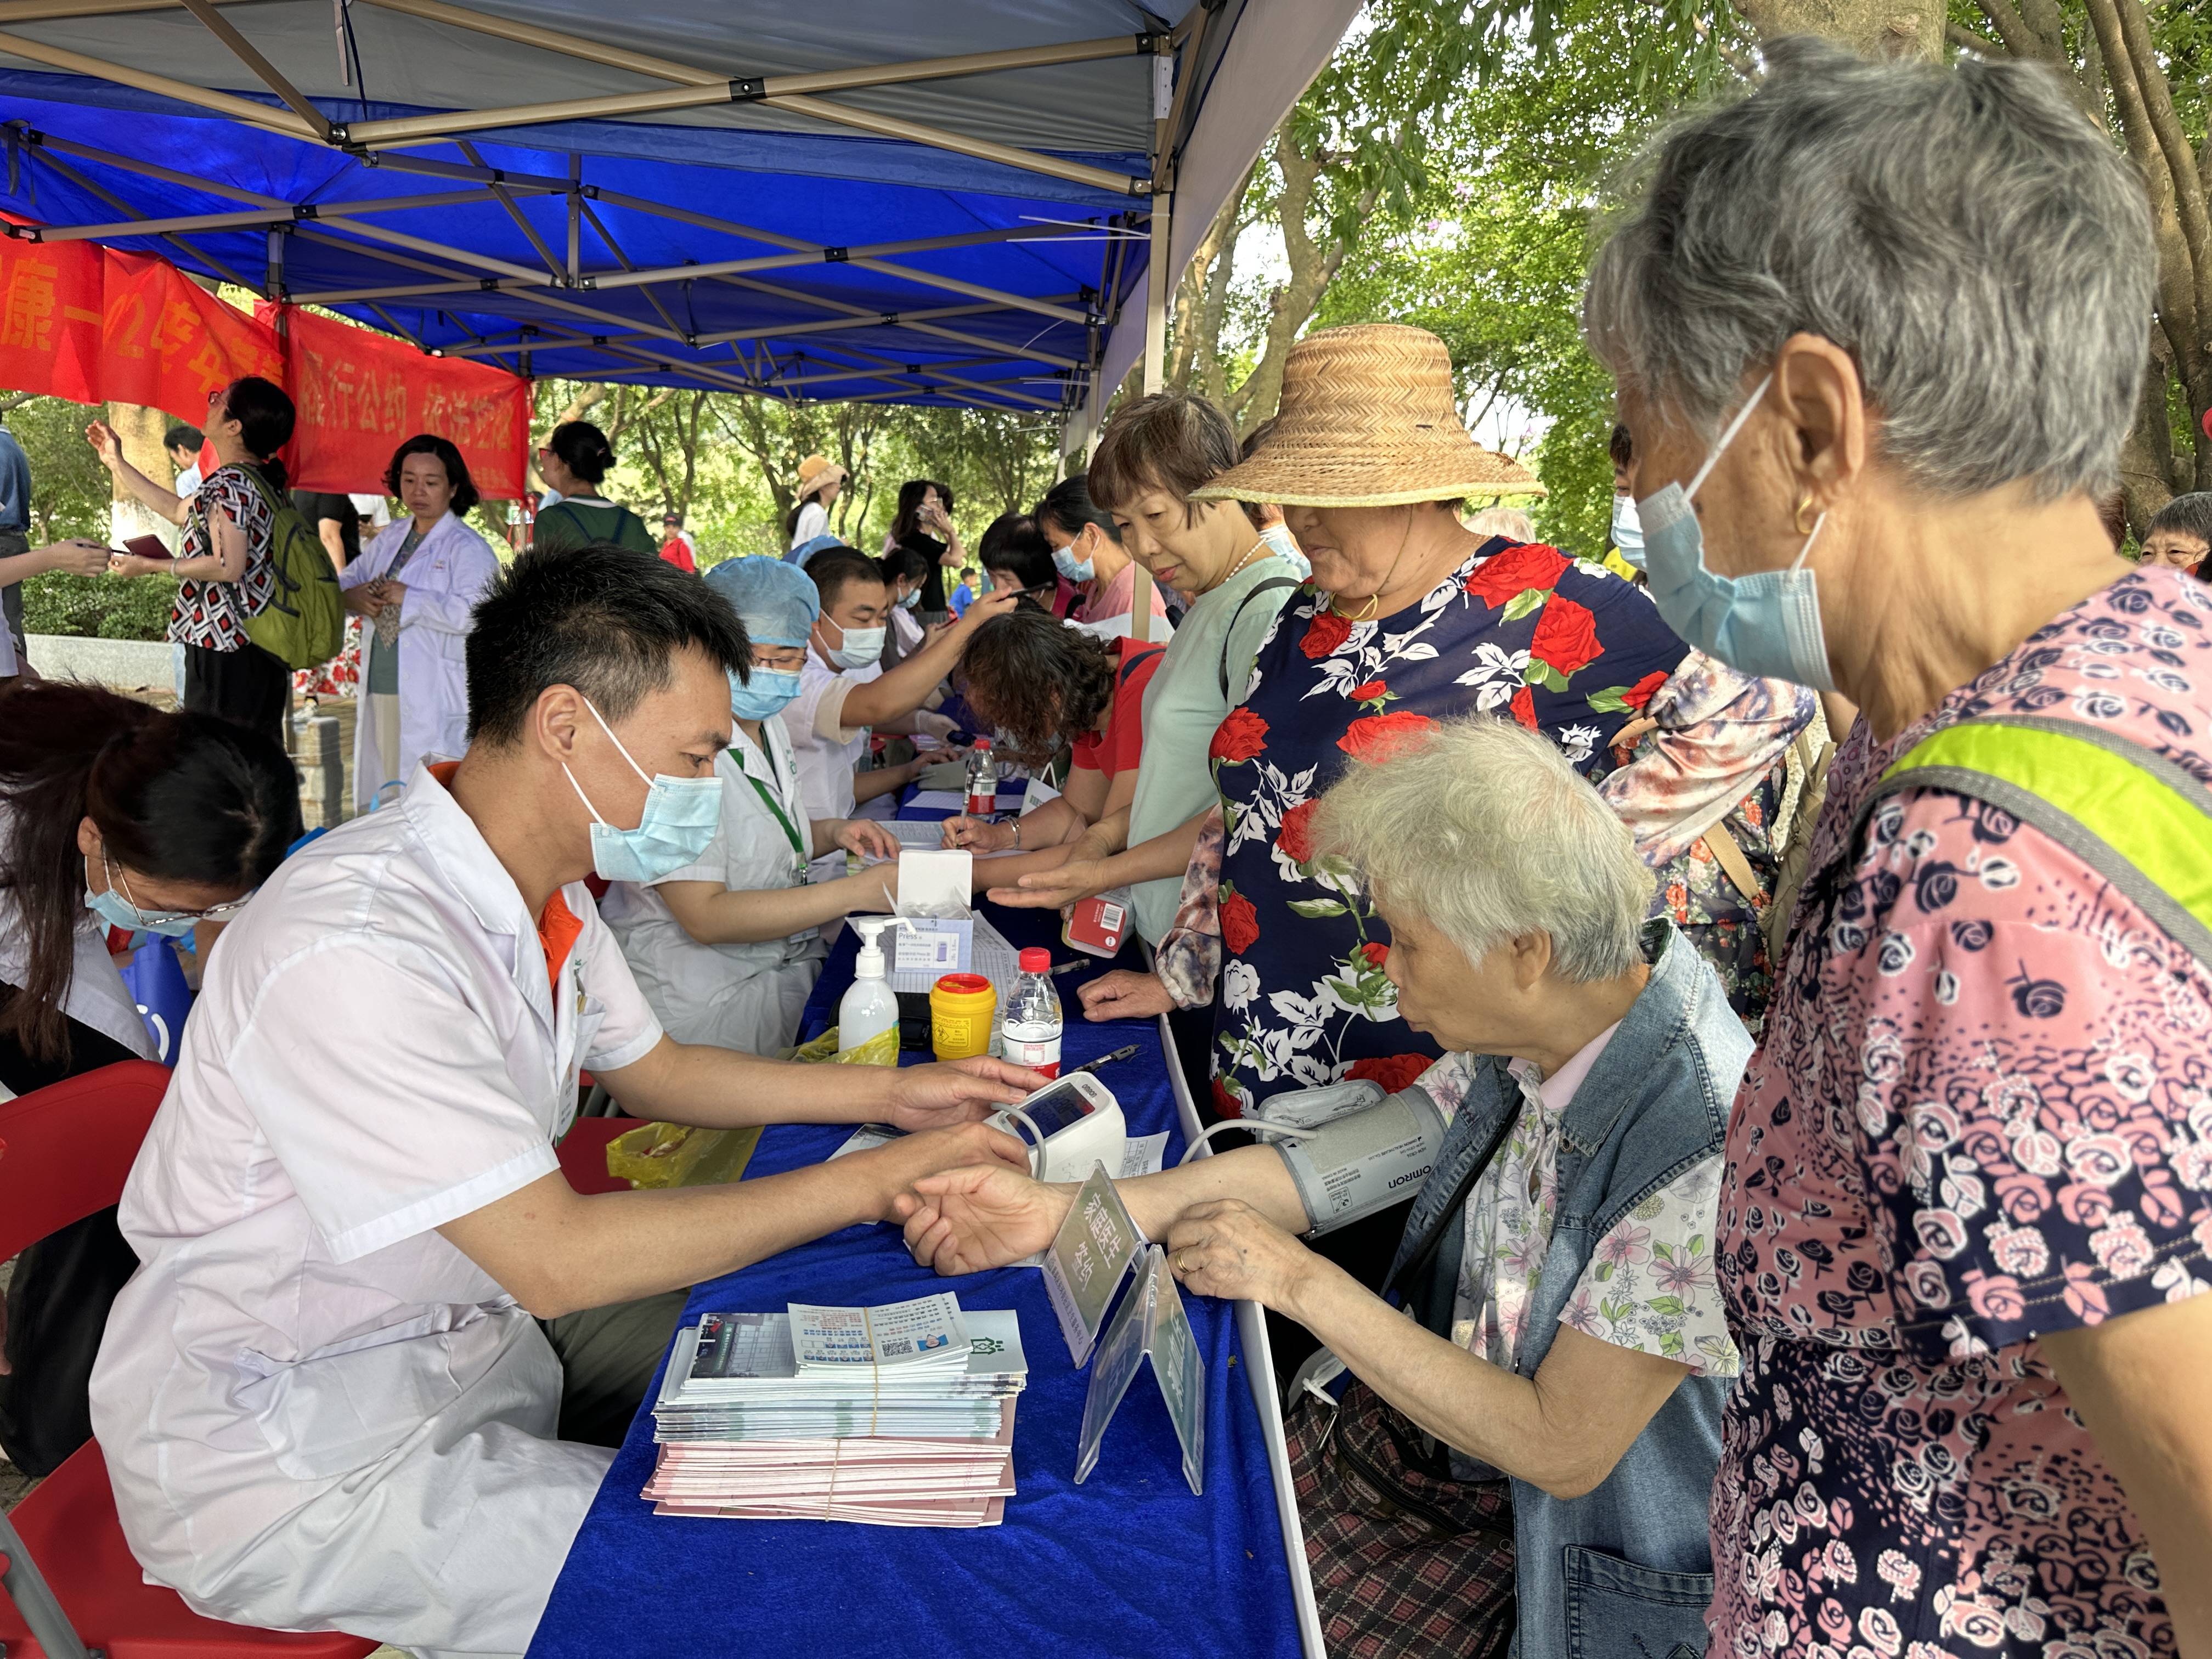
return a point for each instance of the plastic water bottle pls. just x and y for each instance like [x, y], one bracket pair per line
[982, 780]
[1033, 1022]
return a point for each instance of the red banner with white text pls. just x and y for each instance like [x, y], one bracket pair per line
[362, 394]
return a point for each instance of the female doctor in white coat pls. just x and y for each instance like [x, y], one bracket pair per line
[416, 583]
[726, 949]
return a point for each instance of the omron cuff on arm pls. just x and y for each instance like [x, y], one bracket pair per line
[1359, 1163]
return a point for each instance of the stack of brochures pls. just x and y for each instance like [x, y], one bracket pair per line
[900, 1415]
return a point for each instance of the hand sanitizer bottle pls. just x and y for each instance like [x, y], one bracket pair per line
[869, 1007]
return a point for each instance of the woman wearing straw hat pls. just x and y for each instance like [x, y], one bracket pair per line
[821, 480]
[1409, 619]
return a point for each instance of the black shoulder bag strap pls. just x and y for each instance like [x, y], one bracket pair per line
[1270, 585]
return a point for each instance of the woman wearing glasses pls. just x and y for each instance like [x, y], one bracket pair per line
[113, 817]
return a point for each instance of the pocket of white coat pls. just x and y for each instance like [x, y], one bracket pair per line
[345, 1406]
[1619, 1609]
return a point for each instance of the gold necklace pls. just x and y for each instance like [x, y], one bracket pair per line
[1375, 599]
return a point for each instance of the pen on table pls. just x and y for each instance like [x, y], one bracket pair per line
[1108, 1060]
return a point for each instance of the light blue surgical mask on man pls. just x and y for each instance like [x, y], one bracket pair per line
[1627, 531]
[681, 815]
[1766, 624]
[1075, 569]
[860, 645]
[768, 692]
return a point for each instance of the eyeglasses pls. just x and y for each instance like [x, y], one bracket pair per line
[222, 912]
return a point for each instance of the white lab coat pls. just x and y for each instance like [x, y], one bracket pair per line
[317, 1413]
[445, 577]
[826, 750]
[746, 996]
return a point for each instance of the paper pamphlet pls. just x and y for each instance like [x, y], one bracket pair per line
[1152, 1320]
[928, 1330]
[1084, 1266]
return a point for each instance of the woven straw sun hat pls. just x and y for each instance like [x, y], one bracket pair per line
[1368, 419]
[816, 472]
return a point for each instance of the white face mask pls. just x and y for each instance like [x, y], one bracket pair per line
[861, 647]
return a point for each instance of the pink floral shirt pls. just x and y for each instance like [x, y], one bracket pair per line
[1982, 1112]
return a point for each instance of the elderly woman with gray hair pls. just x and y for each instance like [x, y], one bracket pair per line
[1531, 1451]
[1879, 334]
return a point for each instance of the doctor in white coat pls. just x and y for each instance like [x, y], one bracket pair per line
[369, 1370]
[727, 948]
[416, 583]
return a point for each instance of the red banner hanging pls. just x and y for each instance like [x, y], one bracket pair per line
[50, 316]
[170, 342]
[361, 394]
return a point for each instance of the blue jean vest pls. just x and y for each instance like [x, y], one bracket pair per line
[1625, 1571]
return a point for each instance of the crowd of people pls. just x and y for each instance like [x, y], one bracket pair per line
[1753, 928]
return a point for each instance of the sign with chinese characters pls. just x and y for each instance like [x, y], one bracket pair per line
[1152, 1320]
[362, 394]
[1084, 1266]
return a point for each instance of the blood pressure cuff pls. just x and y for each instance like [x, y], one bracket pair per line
[1366, 1161]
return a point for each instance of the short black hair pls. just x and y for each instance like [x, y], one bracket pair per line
[1013, 543]
[183, 435]
[602, 618]
[904, 564]
[2190, 514]
[836, 568]
[457, 470]
[1619, 447]
[1067, 507]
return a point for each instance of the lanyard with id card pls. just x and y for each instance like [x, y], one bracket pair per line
[800, 874]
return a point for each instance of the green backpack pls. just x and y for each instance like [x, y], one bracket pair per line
[303, 624]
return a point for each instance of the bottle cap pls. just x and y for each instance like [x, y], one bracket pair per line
[1035, 960]
[982, 743]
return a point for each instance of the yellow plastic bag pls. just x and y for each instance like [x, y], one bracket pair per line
[680, 1155]
[683, 1155]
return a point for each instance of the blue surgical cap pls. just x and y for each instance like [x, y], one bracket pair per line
[777, 602]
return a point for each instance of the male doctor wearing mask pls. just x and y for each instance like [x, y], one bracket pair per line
[726, 948]
[367, 1377]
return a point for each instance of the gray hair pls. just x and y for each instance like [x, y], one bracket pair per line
[1483, 829]
[1980, 249]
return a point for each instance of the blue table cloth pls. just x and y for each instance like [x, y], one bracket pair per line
[1130, 1562]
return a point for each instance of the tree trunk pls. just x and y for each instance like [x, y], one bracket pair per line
[139, 430]
[1877, 28]
[2147, 461]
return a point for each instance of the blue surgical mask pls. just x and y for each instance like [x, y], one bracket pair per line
[1766, 624]
[1627, 531]
[681, 815]
[910, 600]
[769, 691]
[861, 647]
[115, 907]
[1065, 562]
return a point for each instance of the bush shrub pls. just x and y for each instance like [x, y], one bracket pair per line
[99, 607]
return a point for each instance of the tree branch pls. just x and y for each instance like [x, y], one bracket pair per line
[1959, 35]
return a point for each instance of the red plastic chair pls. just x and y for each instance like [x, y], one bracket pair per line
[65, 1151]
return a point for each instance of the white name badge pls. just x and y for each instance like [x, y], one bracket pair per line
[1152, 1321]
[1083, 1266]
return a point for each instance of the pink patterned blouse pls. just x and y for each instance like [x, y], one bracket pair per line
[1982, 1112]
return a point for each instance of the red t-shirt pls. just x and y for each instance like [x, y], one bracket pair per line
[680, 555]
[1116, 749]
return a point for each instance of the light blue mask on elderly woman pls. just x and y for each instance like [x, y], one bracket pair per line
[1766, 624]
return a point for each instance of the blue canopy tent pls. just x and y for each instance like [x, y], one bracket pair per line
[975, 202]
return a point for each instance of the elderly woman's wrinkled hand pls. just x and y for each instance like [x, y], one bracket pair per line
[1124, 994]
[1228, 1249]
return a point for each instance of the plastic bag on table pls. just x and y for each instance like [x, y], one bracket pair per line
[680, 1155]
[881, 1049]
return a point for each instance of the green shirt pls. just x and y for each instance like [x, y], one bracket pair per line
[1183, 705]
[576, 523]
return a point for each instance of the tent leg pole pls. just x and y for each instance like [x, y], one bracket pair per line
[276, 278]
[1156, 365]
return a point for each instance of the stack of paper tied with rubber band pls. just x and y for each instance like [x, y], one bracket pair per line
[900, 1416]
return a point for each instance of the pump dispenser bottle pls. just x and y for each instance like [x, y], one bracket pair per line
[869, 1007]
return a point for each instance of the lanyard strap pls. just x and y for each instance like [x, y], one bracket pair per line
[775, 808]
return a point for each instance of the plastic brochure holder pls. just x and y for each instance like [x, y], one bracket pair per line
[1150, 1320]
[1084, 1266]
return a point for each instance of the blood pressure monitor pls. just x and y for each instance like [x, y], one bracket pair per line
[1071, 1124]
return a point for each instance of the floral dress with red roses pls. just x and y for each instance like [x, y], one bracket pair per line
[1522, 631]
[1982, 1114]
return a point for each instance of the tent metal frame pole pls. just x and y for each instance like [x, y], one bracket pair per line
[698, 88]
[901, 369]
[631, 279]
[265, 71]
[247, 218]
[40, 140]
[818, 251]
[44, 153]
[606, 239]
[506, 198]
[182, 91]
[424, 245]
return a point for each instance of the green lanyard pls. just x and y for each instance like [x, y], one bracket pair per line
[775, 808]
